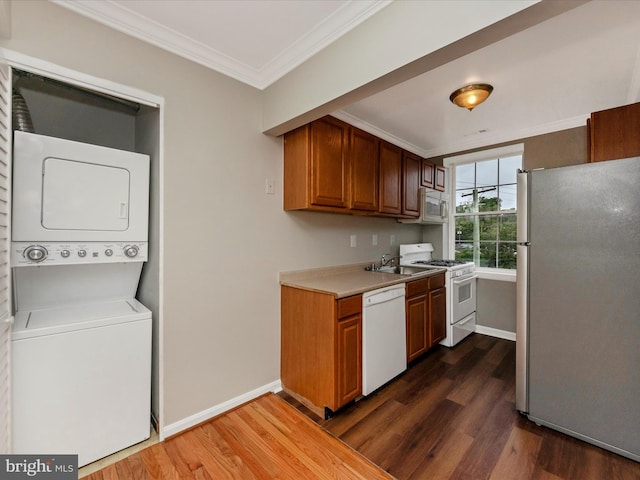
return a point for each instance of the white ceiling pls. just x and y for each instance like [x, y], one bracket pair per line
[254, 41]
[546, 78]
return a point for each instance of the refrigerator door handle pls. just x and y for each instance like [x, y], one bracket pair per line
[522, 329]
[522, 225]
[522, 293]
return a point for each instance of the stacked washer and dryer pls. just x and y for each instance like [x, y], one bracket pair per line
[81, 342]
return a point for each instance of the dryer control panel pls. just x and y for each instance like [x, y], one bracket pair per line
[32, 253]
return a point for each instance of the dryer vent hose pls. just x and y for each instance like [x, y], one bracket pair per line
[21, 116]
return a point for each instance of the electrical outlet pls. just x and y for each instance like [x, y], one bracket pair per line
[269, 186]
[353, 240]
[374, 239]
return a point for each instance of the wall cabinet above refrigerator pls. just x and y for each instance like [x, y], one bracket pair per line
[613, 133]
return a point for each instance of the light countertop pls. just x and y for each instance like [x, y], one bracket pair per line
[346, 280]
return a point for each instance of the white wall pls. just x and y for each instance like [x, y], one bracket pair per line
[225, 239]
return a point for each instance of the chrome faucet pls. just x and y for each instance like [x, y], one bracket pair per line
[384, 261]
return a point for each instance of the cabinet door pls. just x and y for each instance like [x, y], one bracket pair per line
[329, 169]
[349, 359]
[440, 178]
[428, 174]
[364, 159]
[438, 314]
[417, 331]
[613, 133]
[390, 178]
[411, 166]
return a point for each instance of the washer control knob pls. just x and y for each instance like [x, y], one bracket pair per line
[65, 253]
[108, 252]
[35, 253]
[131, 251]
[82, 253]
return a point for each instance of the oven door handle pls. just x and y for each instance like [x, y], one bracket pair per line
[464, 280]
[464, 321]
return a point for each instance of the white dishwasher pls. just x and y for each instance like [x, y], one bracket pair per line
[384, 337]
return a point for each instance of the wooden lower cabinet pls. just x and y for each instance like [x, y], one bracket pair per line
[417, 310]
[426, 314]
[349, 359]
[438, 314]
[321, 348]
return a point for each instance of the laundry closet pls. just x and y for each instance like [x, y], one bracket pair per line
[84, 257]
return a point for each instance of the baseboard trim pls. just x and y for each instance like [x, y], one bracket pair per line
[494, 332]
[209, 413]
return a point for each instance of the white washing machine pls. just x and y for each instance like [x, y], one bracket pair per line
[81, 379]
[81, 342]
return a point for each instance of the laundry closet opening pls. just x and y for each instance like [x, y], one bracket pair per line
[71, 113]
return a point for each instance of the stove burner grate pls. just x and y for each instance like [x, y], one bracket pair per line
[440, 263]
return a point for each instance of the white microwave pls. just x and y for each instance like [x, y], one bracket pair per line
[435, 206]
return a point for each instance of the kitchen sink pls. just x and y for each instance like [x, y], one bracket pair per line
[403, 270]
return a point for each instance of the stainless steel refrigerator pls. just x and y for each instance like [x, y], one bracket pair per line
[578, 306]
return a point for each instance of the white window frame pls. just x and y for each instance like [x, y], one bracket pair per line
[501, 274]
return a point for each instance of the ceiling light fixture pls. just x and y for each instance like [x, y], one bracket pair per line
[470, 96]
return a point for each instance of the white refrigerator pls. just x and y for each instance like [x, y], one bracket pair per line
[578, 305]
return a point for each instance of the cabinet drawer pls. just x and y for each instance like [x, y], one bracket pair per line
[436, 282]
[349, 306]
[417, 287]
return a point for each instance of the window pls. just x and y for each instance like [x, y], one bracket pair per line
[485, 214]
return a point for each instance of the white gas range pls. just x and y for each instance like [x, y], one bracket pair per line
[460, 283]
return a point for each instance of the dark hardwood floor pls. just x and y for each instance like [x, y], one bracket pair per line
[451, 415]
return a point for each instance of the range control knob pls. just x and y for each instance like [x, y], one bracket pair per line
[131, 251]
[108, 252]
[35, 253]
[82, 253]
[65, 253]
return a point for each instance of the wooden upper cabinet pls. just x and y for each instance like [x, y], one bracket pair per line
[614, 133]
[329, 168]
[364, 156]
[316, 170]
[390, 179]
[333, 167]
[411, 166]
[427, 178]
[439, 178]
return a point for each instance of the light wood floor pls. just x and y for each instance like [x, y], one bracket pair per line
[262, 440]
[451, 416]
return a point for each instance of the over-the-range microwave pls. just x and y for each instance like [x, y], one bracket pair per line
[434, 207]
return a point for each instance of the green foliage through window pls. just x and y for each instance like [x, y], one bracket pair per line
[485, 215]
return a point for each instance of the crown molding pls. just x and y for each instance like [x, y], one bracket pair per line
[477, 141]
[118, 17]
[487, 139]
[378, 132]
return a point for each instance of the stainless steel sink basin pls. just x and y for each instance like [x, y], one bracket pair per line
[403, 270]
